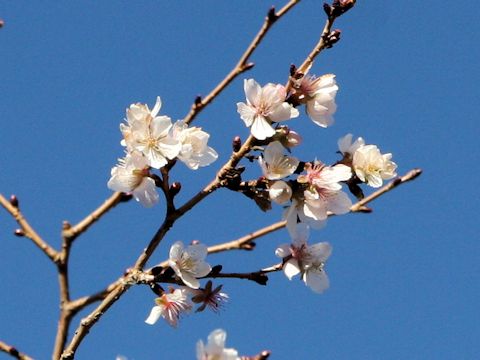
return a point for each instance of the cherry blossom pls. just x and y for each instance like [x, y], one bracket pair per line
[264, 106]
[306, 260]
[132, 175]
[370, 166]
[319, 96]
[275, 164]
[189, 264]
[215, 348]
[213, 298]
[170, 306]
[195, 152]
[321, 193]
[150, 134]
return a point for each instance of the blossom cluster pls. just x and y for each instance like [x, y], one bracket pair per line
[188, 264]
[151, 141]
[309, 191]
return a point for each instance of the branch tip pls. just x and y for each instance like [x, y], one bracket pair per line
[14, 201]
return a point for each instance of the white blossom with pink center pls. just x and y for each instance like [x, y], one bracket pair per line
[150, 134]
[264, 106]
[275, 164]
[131, 175]
[170, 306]
[306, 260]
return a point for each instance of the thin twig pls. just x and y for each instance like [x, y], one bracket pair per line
[12, 351]
[28, 231]
[72, 232]
[242, 64]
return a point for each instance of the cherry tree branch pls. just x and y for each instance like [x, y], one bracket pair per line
[173, 214]
[72, 232]
[242, 64]
[12, 351]
[27, 230]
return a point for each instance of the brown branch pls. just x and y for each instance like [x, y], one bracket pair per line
[28, 231]
[411, 175]
[72, 232]
[243, 242]
[242, 64]
[12, 351]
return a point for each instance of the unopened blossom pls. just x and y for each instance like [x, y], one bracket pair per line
[275, 165]
[170, 306]
[264, 106]
[372, 167]
[306, 260]
[131, 175]
[215, 348]
[280, 192]
[213, 298]
[318, 95]
[322, 193]
[189, 263]
[195, 152]
[150, 134]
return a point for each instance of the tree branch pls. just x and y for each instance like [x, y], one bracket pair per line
[28, 231]
[71, 232]
[242, 64]
[12, 351]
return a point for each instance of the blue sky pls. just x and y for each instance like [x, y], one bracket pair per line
[404, 279]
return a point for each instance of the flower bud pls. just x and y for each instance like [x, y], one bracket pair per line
[19, 233]
[175, 188]
[236, 143]
[14, 200]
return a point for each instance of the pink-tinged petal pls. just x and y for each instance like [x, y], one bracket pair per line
[316, 280]
[247, 113]
[273, 151]
[339, 203]
[291, 268]
[273, 94]
[176, 251]
[253, 91]
[202, 269]
[283, 112]
[189, 280]
[261, 129]
[300, 234]
[283, 251]
[197, 251]
[146, 192]
[321, 114]
[321, 251]
[155, 314]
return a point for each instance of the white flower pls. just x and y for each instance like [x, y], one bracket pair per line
[150, 134]
[275, 165]
[319, 96]
[215, 348]
[346, 146]
[304, 259]
[323, 194]
[264, 106]
[131, 175]
[170, 306]
[189, 263]
[280, 192]
[194, 152]
[372, 167]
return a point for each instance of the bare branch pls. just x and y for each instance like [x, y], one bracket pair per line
[242, 64]
[12, 351]
[28, 231]
[72, 232]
